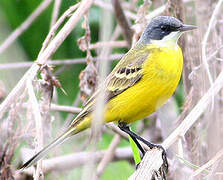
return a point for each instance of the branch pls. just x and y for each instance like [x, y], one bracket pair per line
[204, 42]
[56, 10]
[156, 12]
[54, 28]
[24, 25]
[39, 126]
[58, 62]
[218, 155]
[69, 109]
[108, 156]
[150, 165]
[122, 21]
[47, 53]
[116, 130]
[108, 6]
[108, 44]
[71, 161]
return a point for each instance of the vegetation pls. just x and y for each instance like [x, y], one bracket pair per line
[69, 74]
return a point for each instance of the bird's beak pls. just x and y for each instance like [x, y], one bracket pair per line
[187, 27]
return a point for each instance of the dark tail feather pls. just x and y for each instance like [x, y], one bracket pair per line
[45, 150]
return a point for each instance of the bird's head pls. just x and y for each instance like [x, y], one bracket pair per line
[164, 28]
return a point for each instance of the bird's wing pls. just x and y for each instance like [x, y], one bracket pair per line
[126, 73]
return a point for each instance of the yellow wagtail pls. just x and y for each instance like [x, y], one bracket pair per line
[140, 83]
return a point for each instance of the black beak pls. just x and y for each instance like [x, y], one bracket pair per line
[186, 27]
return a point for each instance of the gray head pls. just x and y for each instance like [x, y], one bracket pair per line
[162, 26]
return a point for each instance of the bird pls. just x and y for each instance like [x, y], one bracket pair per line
[142, 81]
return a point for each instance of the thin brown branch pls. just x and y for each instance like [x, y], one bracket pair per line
[156, 12]
[54, 28]
[69, 109]
[205, 39]
[108, 44]
[56, 10]
[115, 129]
[122, 21]
[24, 25]
[58, 62]
[47, 53]
[67, 162]
[124, 135]
[108, 156]
[108, 6]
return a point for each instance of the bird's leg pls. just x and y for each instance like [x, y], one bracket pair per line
[126, 129]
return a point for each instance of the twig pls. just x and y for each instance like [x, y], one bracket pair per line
[58, 62]
[122, 21]
[108, 44]
[39, 125]
[53, 46]
[108, 156]
[195, 113]
[105, 33]
[115, 129]
[56, 10]
[218, 155]
[71, 161]
[205, 39]
[24, 25]
[54, 28]
[108, 6]
[124, 135]
[156, 12]
[69, 109]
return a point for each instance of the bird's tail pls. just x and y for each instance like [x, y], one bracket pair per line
[47, 149]
[72, 130]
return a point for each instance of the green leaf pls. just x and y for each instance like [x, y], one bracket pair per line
[135, 151]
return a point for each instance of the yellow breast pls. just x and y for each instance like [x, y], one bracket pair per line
[161, 74]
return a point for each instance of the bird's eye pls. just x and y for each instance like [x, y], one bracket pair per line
[164, 28]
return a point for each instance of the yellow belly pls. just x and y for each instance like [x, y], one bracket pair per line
[161, 74]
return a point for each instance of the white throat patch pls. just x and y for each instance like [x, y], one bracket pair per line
[170, 39]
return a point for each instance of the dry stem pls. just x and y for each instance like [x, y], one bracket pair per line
[39, 125]
[56, 10]
[108, 156]
[218, 155]
[45, 55]
[71, 161]
[122, 21]
[58, 62]
[205, 39]
[151, 163]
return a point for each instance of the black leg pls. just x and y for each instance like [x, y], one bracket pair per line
[126, 129]
[133, 135]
